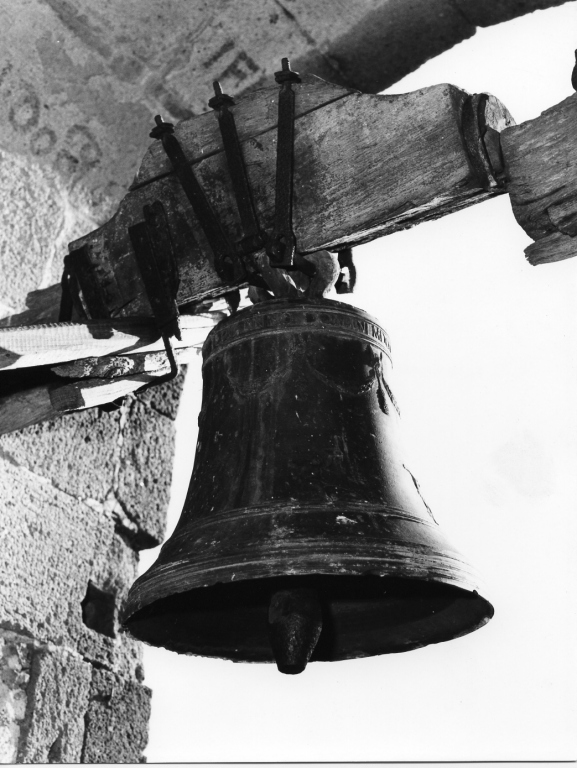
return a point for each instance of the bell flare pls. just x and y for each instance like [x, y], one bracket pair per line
[304, 535]
[361, 616]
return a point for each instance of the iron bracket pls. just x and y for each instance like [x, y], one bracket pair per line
[226, 262]
[82, 290]
[156, 261]
[281, 246]
[346, 262]
[483, 143]
[70, 297]
[254, 238]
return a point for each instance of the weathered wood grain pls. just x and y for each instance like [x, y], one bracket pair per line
[85, 383]
[541, 166]
[255, 113]
[90, 393]
[555, 247]
[24, 408]
[118, 366]
[53, 343]
[365, 166]
[49, 401]
[111, 253]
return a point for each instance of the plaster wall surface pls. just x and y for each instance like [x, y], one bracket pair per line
[80, 83]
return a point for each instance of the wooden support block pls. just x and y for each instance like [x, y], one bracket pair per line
[119, 366]
[541, 167]
[86, 383]
[48, 400]
[554, 247]
[364, 166]
[89, 393]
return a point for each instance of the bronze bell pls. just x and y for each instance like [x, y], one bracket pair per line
[304, 535]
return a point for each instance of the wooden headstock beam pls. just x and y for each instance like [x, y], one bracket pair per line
[365, 166]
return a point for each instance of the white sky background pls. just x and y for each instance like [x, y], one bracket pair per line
[485, 356]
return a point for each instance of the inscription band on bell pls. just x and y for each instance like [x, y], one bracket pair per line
[309, 317]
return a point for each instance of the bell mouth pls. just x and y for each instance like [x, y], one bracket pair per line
[361, 616]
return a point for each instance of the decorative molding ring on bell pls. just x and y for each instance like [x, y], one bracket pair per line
[265, 320]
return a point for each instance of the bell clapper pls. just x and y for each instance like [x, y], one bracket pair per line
[294, 627]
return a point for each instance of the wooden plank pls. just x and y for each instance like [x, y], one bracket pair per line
[53, 343]
[255, 114]
[91, 382]
[110, 250]
[555, 247]
[119, 366]
[365, 166]
[27, 407]
[541, 166]
[49, 401]
[90, 393]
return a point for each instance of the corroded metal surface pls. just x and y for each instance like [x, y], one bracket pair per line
[299, 482]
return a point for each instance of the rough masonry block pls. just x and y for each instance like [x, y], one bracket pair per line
[15, 662]
[53, 547]
[119, 461]
[57, 703]
[56, 707]
[77, 453]
[116, 720]
[144, 481]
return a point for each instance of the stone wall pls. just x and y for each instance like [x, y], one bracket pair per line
[80, 497]
[80, 83]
